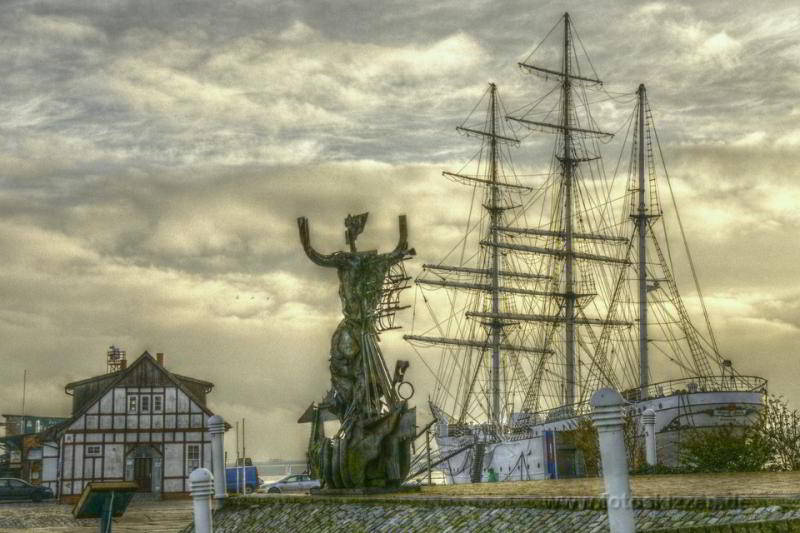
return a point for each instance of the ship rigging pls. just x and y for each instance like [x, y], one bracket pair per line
[561, 285]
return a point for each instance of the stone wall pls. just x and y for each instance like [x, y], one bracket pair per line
[542, 515]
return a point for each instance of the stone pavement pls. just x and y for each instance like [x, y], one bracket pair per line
[323, 515]
[765, 484]
[141, 516]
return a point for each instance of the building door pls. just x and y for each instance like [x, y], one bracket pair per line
[143, 473]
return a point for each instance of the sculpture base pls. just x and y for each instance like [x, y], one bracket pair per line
[365, 491]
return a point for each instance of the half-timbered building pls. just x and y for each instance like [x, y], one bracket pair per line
[138, 423]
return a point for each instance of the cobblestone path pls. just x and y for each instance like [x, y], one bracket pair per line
[326, 516]
[141, 516]
[741, 484]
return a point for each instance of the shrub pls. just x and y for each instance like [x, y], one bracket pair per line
[726, 449]
[781, 427]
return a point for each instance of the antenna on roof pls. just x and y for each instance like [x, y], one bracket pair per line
[115, 359]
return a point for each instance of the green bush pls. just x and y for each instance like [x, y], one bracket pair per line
[781, 427]
[726, 449]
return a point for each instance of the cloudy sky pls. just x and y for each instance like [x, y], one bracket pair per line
[154, 156]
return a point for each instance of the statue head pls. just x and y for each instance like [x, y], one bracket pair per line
[355, 225]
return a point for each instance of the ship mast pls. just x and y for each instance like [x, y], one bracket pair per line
[491, 279]
[494, 214]
[567, 166]
[641, 225]
[568, 127]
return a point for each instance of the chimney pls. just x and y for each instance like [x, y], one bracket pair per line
[160, 358]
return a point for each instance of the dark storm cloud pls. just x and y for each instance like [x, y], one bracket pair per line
[155, 156]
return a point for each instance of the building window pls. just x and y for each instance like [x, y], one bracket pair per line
[192, 457]
[145, 404]
[132, 404]
[93, 450]
[158, 403]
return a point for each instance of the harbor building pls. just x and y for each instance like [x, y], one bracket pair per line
[137, 422]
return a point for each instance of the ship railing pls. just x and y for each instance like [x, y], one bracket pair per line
[697, 384]
[522, 428]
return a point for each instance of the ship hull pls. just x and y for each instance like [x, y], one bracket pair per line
[540, 453]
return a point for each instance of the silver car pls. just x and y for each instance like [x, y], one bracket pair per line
[291, 483]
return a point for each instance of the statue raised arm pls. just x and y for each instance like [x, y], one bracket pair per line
[315, 256]
[402, 249]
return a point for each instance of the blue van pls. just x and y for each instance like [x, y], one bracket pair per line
[236, 476]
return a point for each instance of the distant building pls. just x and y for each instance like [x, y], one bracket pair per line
[26, 424]
[20, 452]
[137, 423]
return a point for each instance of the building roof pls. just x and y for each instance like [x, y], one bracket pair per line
[113, 375]
[118, 377]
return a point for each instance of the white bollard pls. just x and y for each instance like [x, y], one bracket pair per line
[607, 417]
[202, 484]
[649, 423]
[216, 426]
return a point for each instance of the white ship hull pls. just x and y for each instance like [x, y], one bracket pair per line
[534, 454]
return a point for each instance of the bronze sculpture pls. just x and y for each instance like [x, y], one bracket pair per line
[372, 446]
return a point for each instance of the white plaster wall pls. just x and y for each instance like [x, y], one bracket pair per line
[106, 401]
[119, 401]
[173, 485]
[169, 400]
[78, 424]
[173, 460]
[88, 468]
[78, 460]
[50, 465]
[114, 460]
[183, 402]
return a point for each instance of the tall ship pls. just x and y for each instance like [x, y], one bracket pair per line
[563, 283]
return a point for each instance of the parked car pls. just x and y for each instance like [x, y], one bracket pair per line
[16, 489]
[236, 476]
[292, 483]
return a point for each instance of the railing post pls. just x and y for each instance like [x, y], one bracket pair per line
[202, 485]
[607, 417]
[649, 423]
[216, 426]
